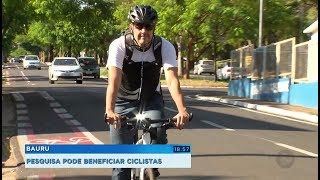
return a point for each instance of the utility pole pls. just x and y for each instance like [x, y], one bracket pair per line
[260, 22]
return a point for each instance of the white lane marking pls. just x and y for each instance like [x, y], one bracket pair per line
[59, 110]
[23, 125]
[23, 118]
[289, 147]
[169, 109]
[22, 111]
[217, 125]
[45, 95]
[274, 142]
[73, 122]
[55, 104]
[20, 106]
[62, 113]
[65, 116]
[18, 97]
[215, 99]
[89, 135]
[25, 77]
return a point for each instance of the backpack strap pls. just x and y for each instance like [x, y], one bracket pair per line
[157, 45]
[157, 42]
[128, 43]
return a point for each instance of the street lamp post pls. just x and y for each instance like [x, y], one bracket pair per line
[260, 22]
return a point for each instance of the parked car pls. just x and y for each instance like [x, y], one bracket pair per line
[15, 60]
[31, 61]
[65, 68]
[229, 72]
[89, 66]
[21, 58]
[204, 66]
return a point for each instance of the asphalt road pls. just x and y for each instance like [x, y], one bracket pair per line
[227, 142]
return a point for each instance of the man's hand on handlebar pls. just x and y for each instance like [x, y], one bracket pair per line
[182, 119]
[113, 118]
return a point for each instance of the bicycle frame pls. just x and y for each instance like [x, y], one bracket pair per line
[145, 139]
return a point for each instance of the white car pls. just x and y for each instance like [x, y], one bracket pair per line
[204, 66]
[31, 61]
[227, 72]
[65, 68]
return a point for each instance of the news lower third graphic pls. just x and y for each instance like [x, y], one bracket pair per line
[107, 156]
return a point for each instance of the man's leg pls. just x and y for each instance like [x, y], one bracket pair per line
[122, 136]
[155, 110]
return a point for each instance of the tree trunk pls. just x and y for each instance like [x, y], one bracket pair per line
[69, 50]
[178, 47]
[187, 68]
[50, 53]
[214, 61]
[105, 57]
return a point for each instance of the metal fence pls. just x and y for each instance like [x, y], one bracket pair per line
[305, 62]
[279, 60]
[242, 58]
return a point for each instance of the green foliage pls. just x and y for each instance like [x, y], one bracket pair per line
[72, 26]
[206, 28]
[103, 72]
[19, 52]
[15, 18]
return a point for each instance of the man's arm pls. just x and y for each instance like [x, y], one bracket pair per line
[173, 83]
[114, 81]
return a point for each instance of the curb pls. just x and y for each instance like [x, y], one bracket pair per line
[263, 108]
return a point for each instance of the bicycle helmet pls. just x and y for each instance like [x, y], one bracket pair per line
[143, 14]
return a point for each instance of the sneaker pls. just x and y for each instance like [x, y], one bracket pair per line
[156, 172]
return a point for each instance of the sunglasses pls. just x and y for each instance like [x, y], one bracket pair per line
[147, 27]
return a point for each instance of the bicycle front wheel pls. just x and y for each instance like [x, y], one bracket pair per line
[149, 174]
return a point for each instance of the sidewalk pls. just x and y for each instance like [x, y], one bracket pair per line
[9, 130]
[291, 111]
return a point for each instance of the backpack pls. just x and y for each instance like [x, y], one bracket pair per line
[157, 42]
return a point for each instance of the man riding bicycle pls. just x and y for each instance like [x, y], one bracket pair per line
[134, 69]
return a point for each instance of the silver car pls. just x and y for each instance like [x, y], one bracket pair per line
[90, 66]
[31, 61]
[65, 68]
[204, 66]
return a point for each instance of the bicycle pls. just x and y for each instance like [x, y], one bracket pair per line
[148, 133]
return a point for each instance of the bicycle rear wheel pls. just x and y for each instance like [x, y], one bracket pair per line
[149, 174]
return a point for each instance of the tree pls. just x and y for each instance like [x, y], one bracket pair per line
[16, 16]
[199, 28]
[72, 26]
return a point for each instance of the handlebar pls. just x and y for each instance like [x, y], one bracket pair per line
[145, 123]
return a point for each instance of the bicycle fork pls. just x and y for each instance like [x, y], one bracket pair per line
[145, 139]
